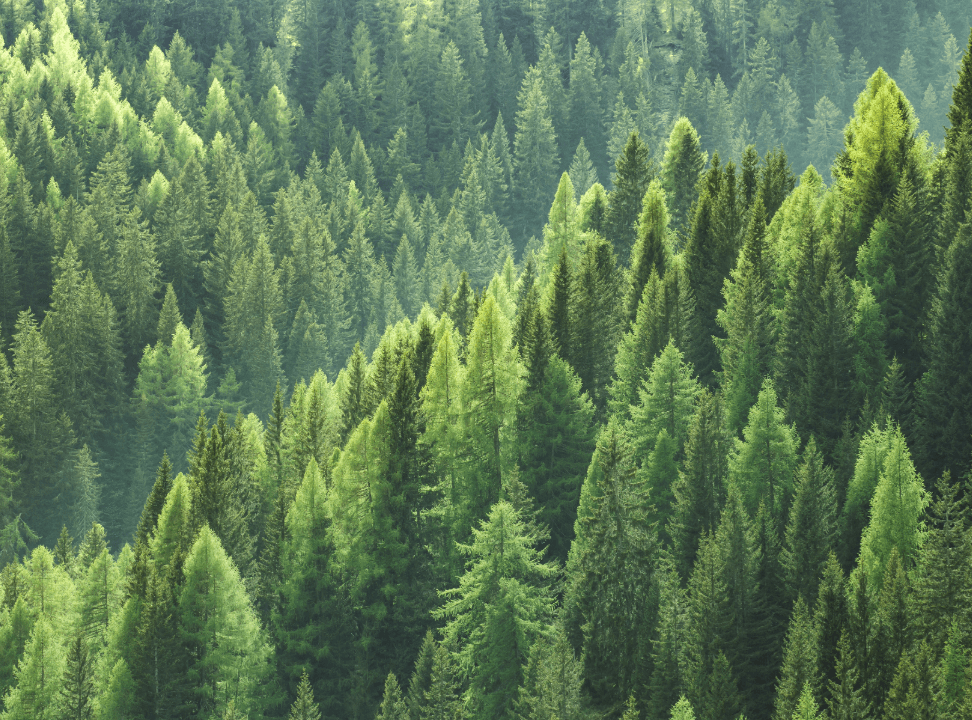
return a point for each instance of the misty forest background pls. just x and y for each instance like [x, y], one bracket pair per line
[440, 359]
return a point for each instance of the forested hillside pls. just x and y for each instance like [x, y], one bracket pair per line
[433, 360]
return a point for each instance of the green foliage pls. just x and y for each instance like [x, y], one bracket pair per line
[897, 508]
[610, 573]
[498, 611]
[681, 169]
[764, 461]
[811, 527]
[228, 656]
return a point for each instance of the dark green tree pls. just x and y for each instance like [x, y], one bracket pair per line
[633, 173]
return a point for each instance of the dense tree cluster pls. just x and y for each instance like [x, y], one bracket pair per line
[485, 360]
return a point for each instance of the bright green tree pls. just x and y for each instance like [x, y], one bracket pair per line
[39, 676]
[897, 509]
[490, 393]
[764, 461]
[228, 655]
[498, 611]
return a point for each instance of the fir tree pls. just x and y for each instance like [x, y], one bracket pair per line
[811, 527]
[945, 426]
[634, 171]
[78, 690]
[681, 169]
[304, 707]
[614, 549]
[652, 250]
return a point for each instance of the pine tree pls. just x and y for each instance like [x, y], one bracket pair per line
[763, 463]
[562, 232]
[895, 525]
[312, 622]
[747, 320]
[944, 585]
[392, 705]
[799, 663]
[832, 618]
[490, 393]
[895, 261]
[599, 315]
[535, 155]
[81, 331]
[845, 701]
[227, 653]
[708, 256]
[560, 304]
[700, 489]
[421, 678]
[666, 401]
[39, 675]
[556, 438]
[552, 680]
[582, 172]
[38, 429]
[639, 347]
[441, 700]
[707, 627]
[960, 111]
[874, 160]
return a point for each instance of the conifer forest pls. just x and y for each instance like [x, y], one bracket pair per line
[486, 360]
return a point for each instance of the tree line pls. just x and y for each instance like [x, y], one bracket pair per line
[375, 440]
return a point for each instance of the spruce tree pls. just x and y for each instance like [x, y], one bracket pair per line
[598, 318]
[421, 677]
[944, 420]
[304, 707]
[845, 700]
[392, 705]
[811, 527]
[680, 172]
[610, 568]
[312, 622]
[535, 156]
[747, 320]
[555, 438]
[701, 487]
[799, 663]
[652, 249]
[78, 691]
[944, 585]
[633, 174]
